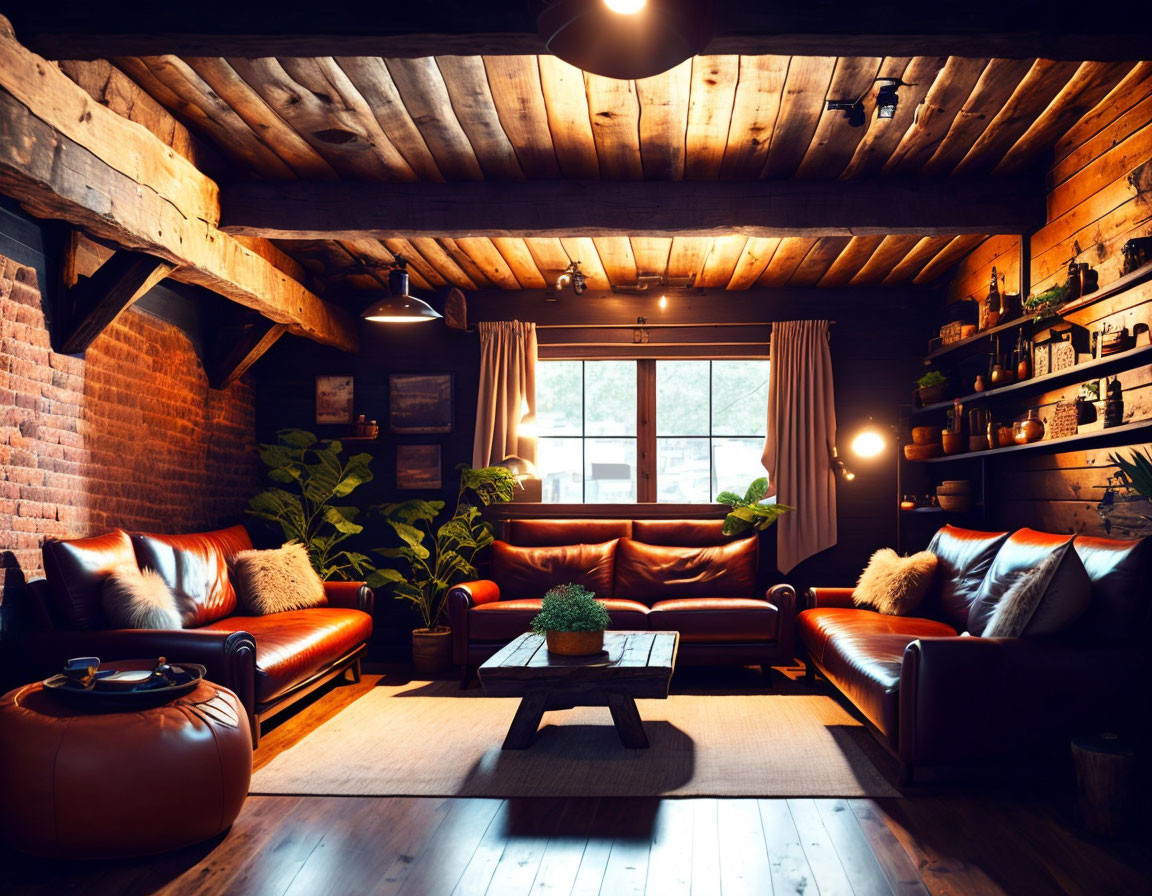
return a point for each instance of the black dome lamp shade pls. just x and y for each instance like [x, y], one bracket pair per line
[625, 39]
[399, 307]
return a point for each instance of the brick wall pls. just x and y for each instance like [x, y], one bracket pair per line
[128, 435]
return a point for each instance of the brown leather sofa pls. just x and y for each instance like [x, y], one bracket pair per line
[663, 575]
[950, 706]
[268, 661]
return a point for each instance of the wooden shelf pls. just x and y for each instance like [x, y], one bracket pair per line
[1083, 438]
[1086, 371]
[357, 439]
[1022, 321]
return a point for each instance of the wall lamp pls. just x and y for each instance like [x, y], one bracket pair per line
[572, 275]
[886, 102]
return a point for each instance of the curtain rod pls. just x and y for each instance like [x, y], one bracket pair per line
[649, 326]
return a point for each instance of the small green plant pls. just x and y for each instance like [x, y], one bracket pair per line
[931, 378]
[313, 475]
[1045, 304]
[1135, 474]
[570, 608]
[749, 510]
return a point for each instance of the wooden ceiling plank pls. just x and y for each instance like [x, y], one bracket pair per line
[486, 256]
[819, 259]
[614, 111]
[946, 259]
[370, 78]
[887, 255]
[417, 263]
[465, 262]
[664, 121]
[519, 98]
[651, 255]
[1137, 84]
[754, 112]
[364, 263]
[519, 259]
[754, 259]
[439, 258]
[567, 103]
[549, 255]
[805, 90]
[1121, 125]
[835, 139]
[421, 87]
[1090, 84]
[686, 258]
[720, 262]
[850, 261]
[996, 84]
[583, 250]
[913, 263]
[883, 136]
[617, 258]
[709, 114]
[943, 102]
[233, 90]
[467, 84]
[785, 260]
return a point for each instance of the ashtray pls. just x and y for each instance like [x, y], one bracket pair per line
[84, 685]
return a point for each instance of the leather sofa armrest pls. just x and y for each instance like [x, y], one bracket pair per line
[829, 597]
[350, 596]
[462, 598]
[966, 699]
[783, 597]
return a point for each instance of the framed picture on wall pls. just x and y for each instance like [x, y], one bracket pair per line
[420, 402]
[334, 399]
[419, 467]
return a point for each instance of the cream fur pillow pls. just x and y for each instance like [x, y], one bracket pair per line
[277, 581]
[895, 585]
[139, 599]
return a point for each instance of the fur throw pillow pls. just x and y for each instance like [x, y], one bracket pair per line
[139, 599]
[277, 581]
[1043, 600]
[895, 585]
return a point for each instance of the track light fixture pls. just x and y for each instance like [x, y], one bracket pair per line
[572, 275]
[886, 102]
[886, 98]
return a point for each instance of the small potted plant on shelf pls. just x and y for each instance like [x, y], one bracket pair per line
[931, 387]
[572, 621]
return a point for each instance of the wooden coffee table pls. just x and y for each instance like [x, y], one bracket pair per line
[633, 664]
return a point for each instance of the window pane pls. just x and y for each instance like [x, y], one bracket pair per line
[739, 398]
[610, 393]
[682, 398]
[736, 463]
[559, 408]
[610, 468]
[682, 471]
[561, 469]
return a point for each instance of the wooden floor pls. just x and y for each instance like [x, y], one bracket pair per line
[947, 842]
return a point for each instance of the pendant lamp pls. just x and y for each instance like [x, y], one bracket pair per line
[399, 307]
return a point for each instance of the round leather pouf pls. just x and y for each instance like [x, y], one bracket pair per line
[77, 784]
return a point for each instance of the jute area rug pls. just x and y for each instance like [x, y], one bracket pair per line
[430, 739]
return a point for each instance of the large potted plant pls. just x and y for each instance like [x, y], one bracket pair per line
[572, 621]
[311, 476]
[434, 557]
[751, 510]
[1126, 506]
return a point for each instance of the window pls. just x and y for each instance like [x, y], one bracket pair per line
[706, 437]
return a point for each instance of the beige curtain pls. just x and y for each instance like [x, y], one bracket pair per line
[801, 436]
[508, 353]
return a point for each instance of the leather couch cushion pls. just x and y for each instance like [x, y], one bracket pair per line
[504, 620]
[528, 572]
[651, 573]
[76, 571]
[293, 647]
[964, 557]
[681, 533]
[553, 533]
[196, 569]
[1121, 596]
[1066, 593]
[701, 619]
[861, 653]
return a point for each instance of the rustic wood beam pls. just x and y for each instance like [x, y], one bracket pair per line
[246, 351]
[96, 301]
[976, 28]
[342, 210]
[65, 156]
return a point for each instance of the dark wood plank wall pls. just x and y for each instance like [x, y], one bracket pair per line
[1099, 196]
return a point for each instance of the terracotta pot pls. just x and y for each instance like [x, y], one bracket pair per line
[953, 442]
[921, 452]
[924, 435]
[932, 394]
[977, 443]
[431, 652]
[575, 643]
[1005, 437]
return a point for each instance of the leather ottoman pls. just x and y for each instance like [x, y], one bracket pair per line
[77, 784]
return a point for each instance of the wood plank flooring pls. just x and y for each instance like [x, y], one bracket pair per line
[952, 841]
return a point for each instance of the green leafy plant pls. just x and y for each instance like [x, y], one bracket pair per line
[311, 476]
[931, 378]
[749, 511]
[434, 558]
[570, 608]
[1047, 303]
[1134, 474]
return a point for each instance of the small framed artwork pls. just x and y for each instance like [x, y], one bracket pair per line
[419, 467]
[420, 402]
[334, 399]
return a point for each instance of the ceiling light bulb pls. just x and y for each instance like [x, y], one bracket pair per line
[625, 7]
[868, 443]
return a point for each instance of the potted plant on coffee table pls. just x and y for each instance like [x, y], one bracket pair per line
[572, 621]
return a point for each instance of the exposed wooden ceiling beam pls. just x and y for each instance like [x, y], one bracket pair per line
[65, 156]
[343, 210]
[976, 28]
